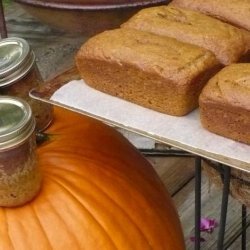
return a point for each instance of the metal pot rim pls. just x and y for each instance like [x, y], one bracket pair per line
[77, 6]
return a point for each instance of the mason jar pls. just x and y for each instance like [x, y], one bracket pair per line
[20, 178]
[19, 74]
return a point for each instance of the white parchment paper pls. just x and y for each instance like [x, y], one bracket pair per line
[183, 132]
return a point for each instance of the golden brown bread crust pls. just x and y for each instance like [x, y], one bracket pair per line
[224, 40]
[225, 103]
[236, 12]
[156, 72]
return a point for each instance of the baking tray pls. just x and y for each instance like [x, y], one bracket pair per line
[185, 132]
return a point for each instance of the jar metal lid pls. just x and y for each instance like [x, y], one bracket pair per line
[16, 121]
[16, 59]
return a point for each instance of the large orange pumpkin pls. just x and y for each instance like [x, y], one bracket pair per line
[98, 192]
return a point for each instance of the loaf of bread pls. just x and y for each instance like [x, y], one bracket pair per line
[227, 42]
[225, 103]
[157, 72]
[236, 12]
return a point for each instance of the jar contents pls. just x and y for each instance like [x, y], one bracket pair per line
[43, 112]
[20, 178]
[19, 74]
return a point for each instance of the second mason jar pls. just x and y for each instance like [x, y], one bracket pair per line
[19, 74]
[20, 176]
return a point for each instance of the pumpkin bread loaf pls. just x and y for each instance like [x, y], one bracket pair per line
[236, 12]
[227, 42]
[157, 72]
[225, 103]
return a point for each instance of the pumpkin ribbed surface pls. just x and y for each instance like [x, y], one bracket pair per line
[98, 192]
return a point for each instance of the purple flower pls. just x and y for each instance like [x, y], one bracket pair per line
[208, 225]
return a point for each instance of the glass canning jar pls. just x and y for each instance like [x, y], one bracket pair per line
[19, 74]
[20, 178]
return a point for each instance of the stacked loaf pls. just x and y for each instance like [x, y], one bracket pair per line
[225, 103]
[236, 12]
[163, 57]
[227, 42]
[157, 72]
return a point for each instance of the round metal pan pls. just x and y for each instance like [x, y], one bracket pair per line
[85, 16]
